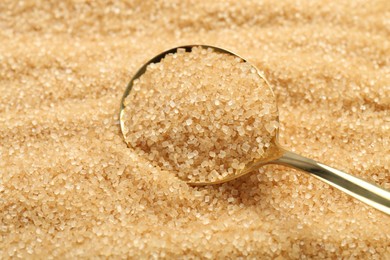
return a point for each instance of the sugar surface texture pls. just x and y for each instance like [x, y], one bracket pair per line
[71, 188]
[202, 114]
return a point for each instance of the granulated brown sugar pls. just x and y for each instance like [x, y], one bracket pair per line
[70, 187]
[202, 115]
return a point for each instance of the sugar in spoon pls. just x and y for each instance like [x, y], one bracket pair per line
[273, 153]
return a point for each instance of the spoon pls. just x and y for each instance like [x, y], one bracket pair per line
[360, 189]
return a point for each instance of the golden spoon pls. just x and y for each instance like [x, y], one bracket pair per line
[362, 190]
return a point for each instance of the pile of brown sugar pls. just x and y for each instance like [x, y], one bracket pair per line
[71, 188]
[202, 114]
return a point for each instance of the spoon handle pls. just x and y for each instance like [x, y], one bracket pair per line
[362, 190]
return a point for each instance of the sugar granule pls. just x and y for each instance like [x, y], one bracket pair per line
[71, 188]
[198, 103]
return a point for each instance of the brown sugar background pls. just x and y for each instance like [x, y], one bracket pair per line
[69, 186]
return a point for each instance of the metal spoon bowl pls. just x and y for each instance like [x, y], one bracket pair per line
[362, 190]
